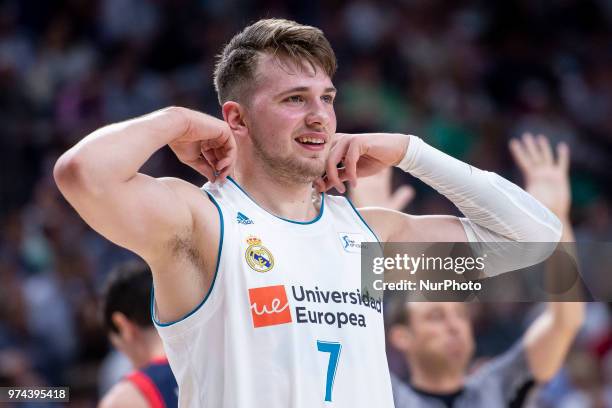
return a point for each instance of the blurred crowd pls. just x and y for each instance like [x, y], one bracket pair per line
[465, 75]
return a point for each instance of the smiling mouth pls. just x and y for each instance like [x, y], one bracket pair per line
[313, 141]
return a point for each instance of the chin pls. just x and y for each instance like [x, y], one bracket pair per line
[306, 177]
[310, 171]
[294, 169]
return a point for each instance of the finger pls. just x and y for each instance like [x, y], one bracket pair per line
[350, 162]
[225, 162]
[223, 172]
[563, 156]
[337, 138]
[228, 159]
[519, 155]
[331, 170]
[545, 150]
[203, 167]
[221, 152]
[344, 177]
[319, 185]
[532, 150]
[209, 155]
[328, 185]
[216, 142]
[228, 156]
[401, 198]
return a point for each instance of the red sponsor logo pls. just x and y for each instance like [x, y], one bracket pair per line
[269, 306]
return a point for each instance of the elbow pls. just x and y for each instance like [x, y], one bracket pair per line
[67, 171]
[71, 174]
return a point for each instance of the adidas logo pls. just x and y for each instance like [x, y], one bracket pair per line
[243, 219]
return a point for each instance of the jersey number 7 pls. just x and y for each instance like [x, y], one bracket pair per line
[333, 348]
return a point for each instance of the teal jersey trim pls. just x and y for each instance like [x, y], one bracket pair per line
[362, 220]
[317, 218]
[221, 223]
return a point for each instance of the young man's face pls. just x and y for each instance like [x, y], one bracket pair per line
[291, 118]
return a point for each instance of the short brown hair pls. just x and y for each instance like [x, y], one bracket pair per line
[128, 290]
[236, 65]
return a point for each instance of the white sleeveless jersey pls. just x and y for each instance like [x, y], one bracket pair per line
[285, 323]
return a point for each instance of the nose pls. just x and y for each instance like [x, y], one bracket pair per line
[318, 115]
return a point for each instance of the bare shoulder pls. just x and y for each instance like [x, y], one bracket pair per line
[396, 226]
[124, 394]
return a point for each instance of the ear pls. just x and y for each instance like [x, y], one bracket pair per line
[400, 337]
[234, 115]
[127, 329]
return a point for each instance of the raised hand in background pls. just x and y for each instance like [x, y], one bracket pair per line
[546, 176]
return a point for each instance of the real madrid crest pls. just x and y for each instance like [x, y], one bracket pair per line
[257, 256]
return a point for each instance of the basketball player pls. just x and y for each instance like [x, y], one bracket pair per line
[256, 276]
[437, 338]
[126, 314]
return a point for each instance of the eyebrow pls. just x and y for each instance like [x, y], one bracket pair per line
[305, 88]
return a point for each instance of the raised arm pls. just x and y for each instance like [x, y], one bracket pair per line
[549, 338]
[496, 210]
[155, 218]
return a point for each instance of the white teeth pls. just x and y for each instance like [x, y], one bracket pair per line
[310, 140]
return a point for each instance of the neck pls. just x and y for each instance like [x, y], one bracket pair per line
[282, 198]
[436, 381]
[150, 348]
